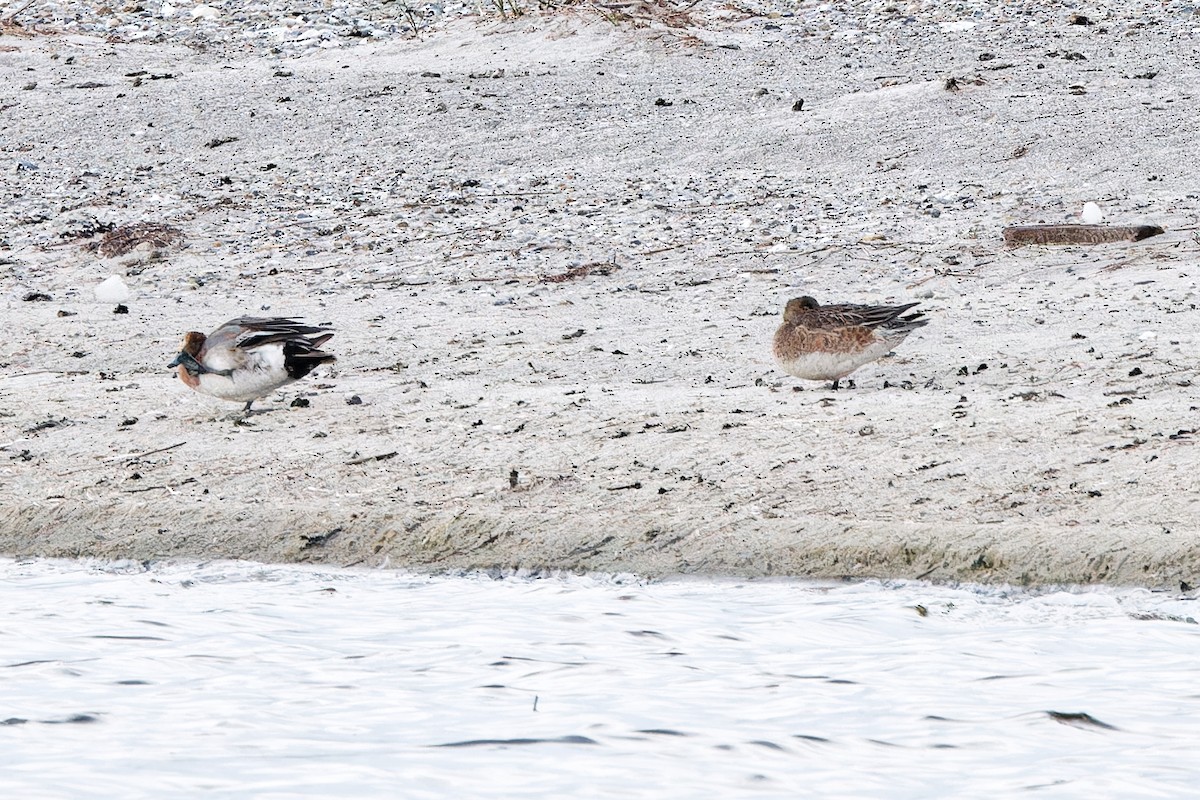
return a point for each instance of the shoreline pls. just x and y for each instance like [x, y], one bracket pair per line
[811, 548]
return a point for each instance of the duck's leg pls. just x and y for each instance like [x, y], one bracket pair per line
[835, 384]
[246, 411]
[853, 385]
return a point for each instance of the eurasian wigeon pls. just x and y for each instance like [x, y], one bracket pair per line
[250, 357]
[819, 342]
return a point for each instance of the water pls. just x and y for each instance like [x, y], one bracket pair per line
[235, 680]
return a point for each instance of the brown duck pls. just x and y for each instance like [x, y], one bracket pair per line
[817, 342]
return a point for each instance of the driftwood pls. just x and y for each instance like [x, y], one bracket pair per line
[1019, 235]
[582, 271]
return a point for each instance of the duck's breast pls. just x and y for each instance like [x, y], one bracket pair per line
[253, 372]
[826, 354]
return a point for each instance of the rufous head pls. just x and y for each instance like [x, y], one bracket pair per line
[185, 361]
[192, 342]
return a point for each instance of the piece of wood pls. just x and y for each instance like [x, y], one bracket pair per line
[365, 459]
[1020, 235]
[135, 456]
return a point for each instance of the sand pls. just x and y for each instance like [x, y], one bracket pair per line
[554, 250]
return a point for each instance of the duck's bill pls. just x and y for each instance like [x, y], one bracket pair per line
[187, 361]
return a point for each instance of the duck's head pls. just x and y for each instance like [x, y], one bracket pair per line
[798, 305]
[188, 351]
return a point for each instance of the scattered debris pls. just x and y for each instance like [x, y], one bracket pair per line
[123, 239]
[309, 540]
[48, 424]
[365, 459]
[1159, 616]
[135, 456]
[582, 271]
[954, 84]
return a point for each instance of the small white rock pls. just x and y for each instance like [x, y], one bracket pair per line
[1091, 214]
[113, 290]
[205, 12]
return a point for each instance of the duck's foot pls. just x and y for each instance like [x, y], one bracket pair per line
[835, 384]
[247, 411]
[244, 416]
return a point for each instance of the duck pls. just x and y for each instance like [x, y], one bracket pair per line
[818, 343]
[249, 357]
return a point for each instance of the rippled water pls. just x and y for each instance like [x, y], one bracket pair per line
[236, 680]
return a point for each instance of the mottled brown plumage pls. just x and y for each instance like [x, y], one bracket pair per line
[818, 342]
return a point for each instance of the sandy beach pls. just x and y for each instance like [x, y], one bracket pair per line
[554, 249]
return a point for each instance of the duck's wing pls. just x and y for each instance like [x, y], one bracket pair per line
[849, 315]
[302, 355]
[250, 332]
[907, 323]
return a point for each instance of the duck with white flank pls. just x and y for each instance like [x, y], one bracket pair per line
[250, 357]
[819, 342]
